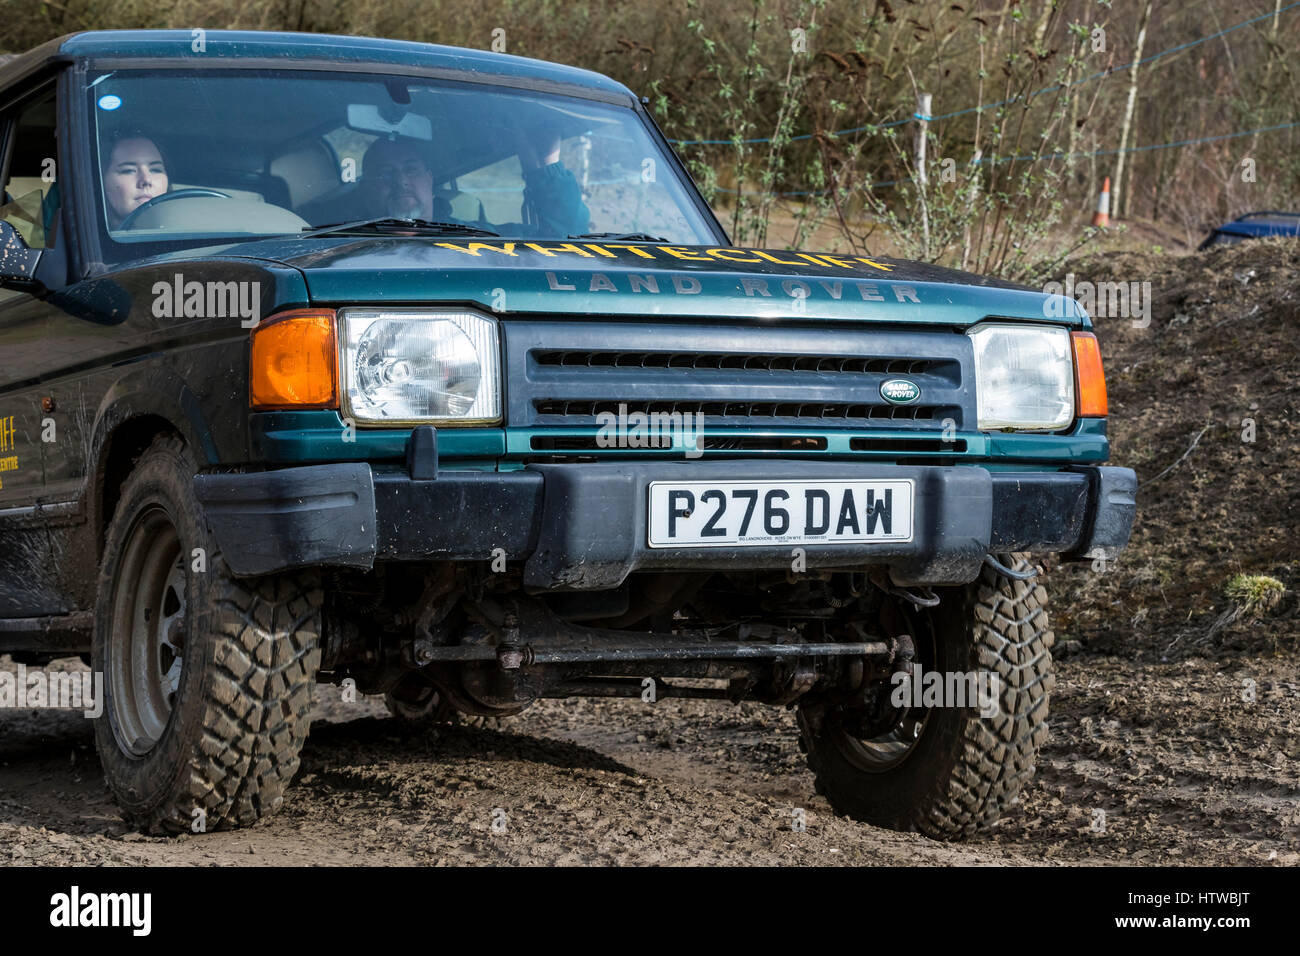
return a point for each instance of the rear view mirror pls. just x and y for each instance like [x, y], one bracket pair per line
[17, 259]
[367, 118]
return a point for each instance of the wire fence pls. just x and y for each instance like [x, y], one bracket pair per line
[1000, 103]
[1058, 154]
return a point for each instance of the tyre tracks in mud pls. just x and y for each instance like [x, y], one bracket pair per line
[1181, 769]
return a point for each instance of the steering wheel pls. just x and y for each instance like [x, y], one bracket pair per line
[127, 223]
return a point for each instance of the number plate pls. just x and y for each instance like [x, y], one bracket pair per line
[703, 514]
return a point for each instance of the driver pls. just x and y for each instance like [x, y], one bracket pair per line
[398, 182]
[134, 172]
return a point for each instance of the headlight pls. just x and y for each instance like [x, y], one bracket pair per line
[420, 366]
[1024, 377]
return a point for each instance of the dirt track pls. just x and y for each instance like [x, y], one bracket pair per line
[1184, 770]
[1155, 753]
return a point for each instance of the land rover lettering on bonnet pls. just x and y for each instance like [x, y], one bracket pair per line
[383, 363]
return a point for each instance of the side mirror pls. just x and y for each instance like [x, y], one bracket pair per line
[17, 259]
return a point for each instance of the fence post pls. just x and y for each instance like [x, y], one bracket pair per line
[1117, 188]
[922, 126]
[971, 204]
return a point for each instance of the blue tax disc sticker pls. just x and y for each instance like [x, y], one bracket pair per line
[110, 101]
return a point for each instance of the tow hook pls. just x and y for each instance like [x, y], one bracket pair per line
[924, 597]
[1001, 568]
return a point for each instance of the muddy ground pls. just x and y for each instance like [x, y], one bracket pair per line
[1175, 725]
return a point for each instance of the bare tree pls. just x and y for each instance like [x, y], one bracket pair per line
[1117, 184]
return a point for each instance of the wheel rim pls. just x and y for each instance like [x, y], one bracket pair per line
[414, 698]
[888, 750]
[147, 639]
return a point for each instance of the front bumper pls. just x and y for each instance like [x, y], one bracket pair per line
[582, 526]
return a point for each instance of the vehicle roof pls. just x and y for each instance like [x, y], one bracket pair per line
[1291, 218]
[264, 45]
[1266, 223]
[1259, 229]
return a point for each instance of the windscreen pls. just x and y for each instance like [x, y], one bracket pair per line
[200, 155]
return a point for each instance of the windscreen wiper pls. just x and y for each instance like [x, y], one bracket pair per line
[389, 223]
[621, 236]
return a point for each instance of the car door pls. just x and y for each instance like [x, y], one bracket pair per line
[30, 204]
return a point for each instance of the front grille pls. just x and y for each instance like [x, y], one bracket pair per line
[553, 411]
[952, 447]
[708, 443]
[566, 374]
[838, 364]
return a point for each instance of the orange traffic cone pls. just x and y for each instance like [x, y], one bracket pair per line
[1102, 216]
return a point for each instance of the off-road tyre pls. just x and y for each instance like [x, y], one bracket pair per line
[964, 770]
[240, 707]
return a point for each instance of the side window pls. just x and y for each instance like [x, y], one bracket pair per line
[31, 190]
[493, 193]
[350, 146]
